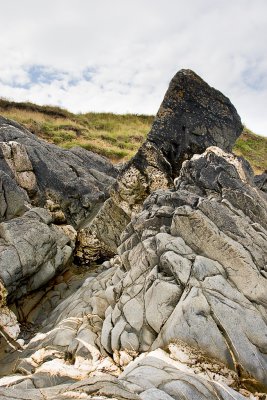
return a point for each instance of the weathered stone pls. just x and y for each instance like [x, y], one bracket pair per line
[153, 377]
[72, 184]
[133, 312]
[9, 327]
[261, 181]
[192, 117]
[13, 200]
[31, 251]
[160, 300]
[189, 277]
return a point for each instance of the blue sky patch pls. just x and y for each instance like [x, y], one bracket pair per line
[41, 74]
[88, 73]
[253, 79]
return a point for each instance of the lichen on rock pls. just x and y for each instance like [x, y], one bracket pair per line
[192, 117]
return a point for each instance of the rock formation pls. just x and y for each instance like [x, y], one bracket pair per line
[71, 184]
[192, 117]
[34, 250]
[179, 312]
[9, 327]
[181, 282]
[43, 188]
[261, 181]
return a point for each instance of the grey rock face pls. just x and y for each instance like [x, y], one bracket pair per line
[192, 117]
[72, 184]
[190, 256]
[154, 377]
[180, 312]
[32, 251]
[9, 327]
[261, 181]
[190, 278]
[13, 200]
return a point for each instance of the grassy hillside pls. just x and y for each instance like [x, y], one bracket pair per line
[115, 136]
[254, 149]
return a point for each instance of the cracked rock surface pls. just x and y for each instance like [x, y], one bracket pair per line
[45, 192]
[180, 312]
[192, 117]
[32, 251]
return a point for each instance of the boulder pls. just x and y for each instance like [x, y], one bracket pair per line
[192, 117]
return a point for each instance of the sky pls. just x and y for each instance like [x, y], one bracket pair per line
[119, 55]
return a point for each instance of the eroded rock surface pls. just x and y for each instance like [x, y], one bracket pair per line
[152, 377]
[190, 278]
[32, 251]
[71, 184]
[45, 192]
[192, 117]
[261, 181]
[9, 327]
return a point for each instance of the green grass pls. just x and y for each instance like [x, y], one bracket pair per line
[117, 137]
[253, 148]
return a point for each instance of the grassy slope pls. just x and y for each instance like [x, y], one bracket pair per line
[115, 136]
[254, 149]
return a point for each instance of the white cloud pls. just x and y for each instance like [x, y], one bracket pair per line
[133, 48]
